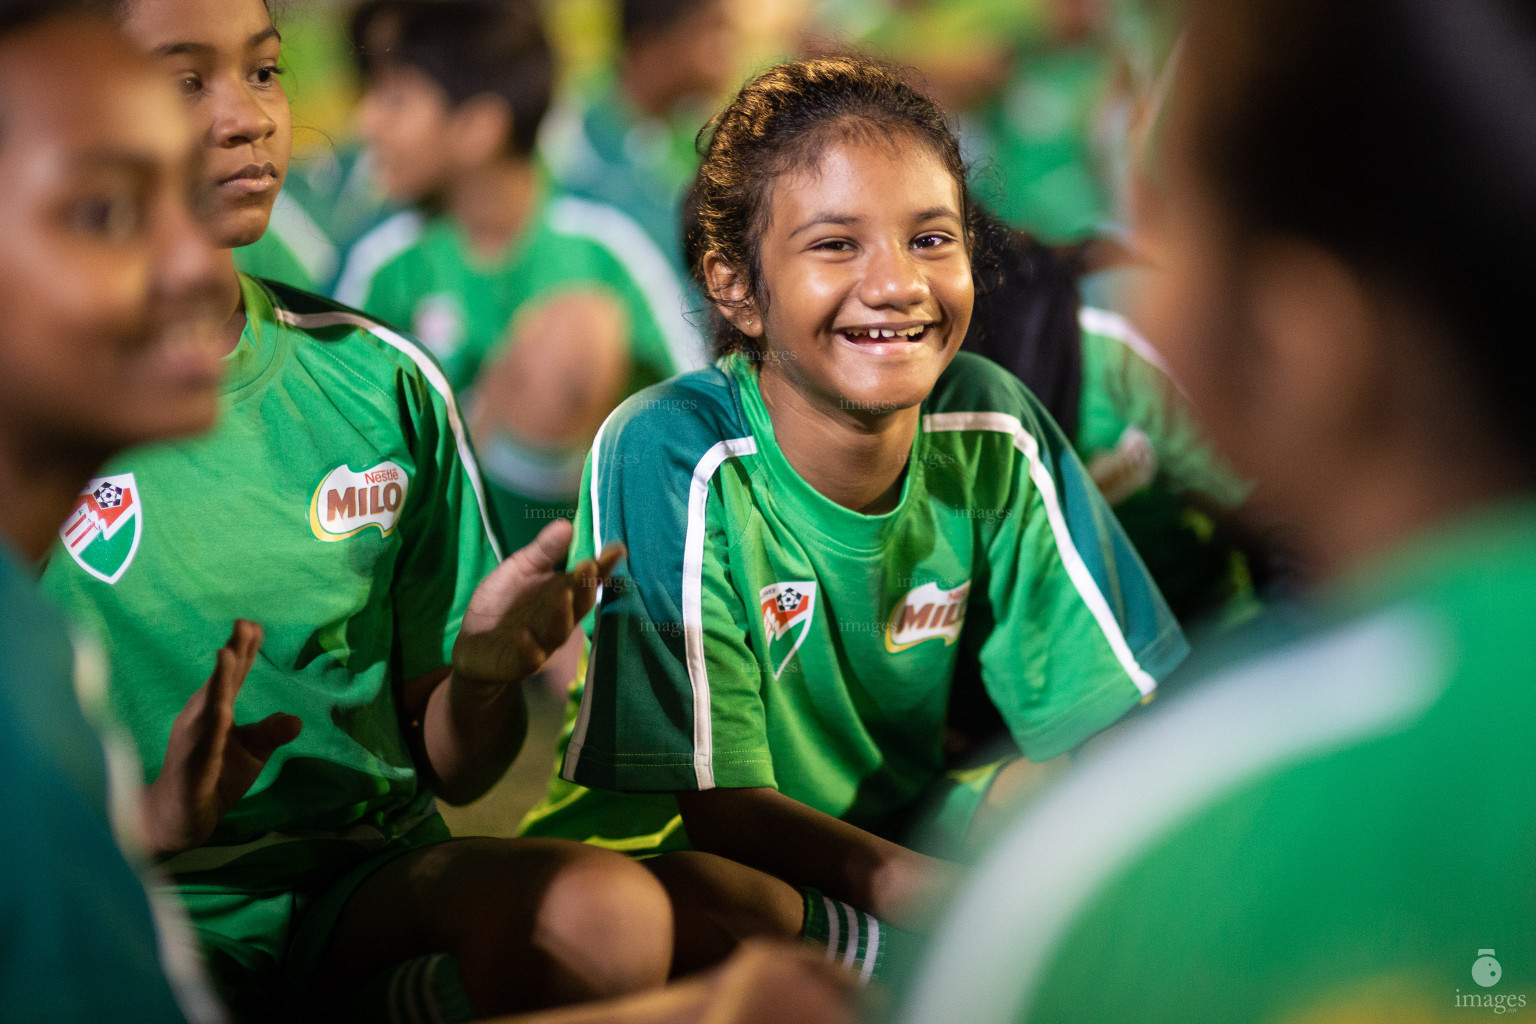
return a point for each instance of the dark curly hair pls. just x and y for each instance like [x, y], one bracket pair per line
[780, 122]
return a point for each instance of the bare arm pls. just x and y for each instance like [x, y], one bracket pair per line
[471, 714]
[563, 370]
[767, 830]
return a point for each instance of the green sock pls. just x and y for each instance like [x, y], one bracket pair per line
[424, 989]
[860, 942]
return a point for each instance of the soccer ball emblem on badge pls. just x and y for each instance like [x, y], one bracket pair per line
[1485, 969]
[102, 531]
[787, 609]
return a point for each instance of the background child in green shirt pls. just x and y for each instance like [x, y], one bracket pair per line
[545, 310]
[628, 137]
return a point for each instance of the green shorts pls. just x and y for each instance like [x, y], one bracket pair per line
[261, 946]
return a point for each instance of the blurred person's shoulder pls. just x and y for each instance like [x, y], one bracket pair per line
[1353, 803]
[37, 668]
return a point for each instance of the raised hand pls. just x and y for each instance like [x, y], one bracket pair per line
[210, 762]
[526, 608]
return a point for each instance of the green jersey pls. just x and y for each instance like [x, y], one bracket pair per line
[1038, 134]
[1343, 828]
[335, 188]
[80, 941]
[420, 273]
[766, 636]
[294, 250]
[336, 503]
[1167, 479]
[598, 146]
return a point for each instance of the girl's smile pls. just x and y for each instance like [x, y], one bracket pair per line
[866, 278]
[888, 339]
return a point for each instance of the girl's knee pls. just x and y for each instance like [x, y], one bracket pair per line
[608, 919]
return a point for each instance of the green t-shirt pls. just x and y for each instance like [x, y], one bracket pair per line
[1339, 829]
[336, 188]
[336, 503]
[766, 636]
[1037, 165]
[600, 147]
[294, 251]
[420, 274]
[80, 932]
[1131, 412]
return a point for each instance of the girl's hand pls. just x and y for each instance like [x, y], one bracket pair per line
[767, 983]
[525, 609]
[210, 762]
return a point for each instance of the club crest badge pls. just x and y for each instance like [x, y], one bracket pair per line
[346, 503]
[927, 613]
[102, 531]
[787, 612]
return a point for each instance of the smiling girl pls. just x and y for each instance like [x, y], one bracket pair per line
[821, 525]
[337, 504]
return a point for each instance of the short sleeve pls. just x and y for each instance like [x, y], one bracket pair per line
[673, 698]
[374, 278]
[1125, 380]
[446, 543]
[1081, 633]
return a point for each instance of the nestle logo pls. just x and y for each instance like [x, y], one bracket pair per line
[347, 501]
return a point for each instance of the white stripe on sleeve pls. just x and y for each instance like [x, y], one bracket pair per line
[1077, 570]
[693, 601]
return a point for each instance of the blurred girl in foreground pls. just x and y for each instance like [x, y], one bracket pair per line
[1343, 828]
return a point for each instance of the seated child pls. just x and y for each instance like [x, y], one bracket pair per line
[551, 309]
[824, 524]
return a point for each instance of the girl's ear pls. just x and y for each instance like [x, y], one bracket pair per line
[728, 291]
